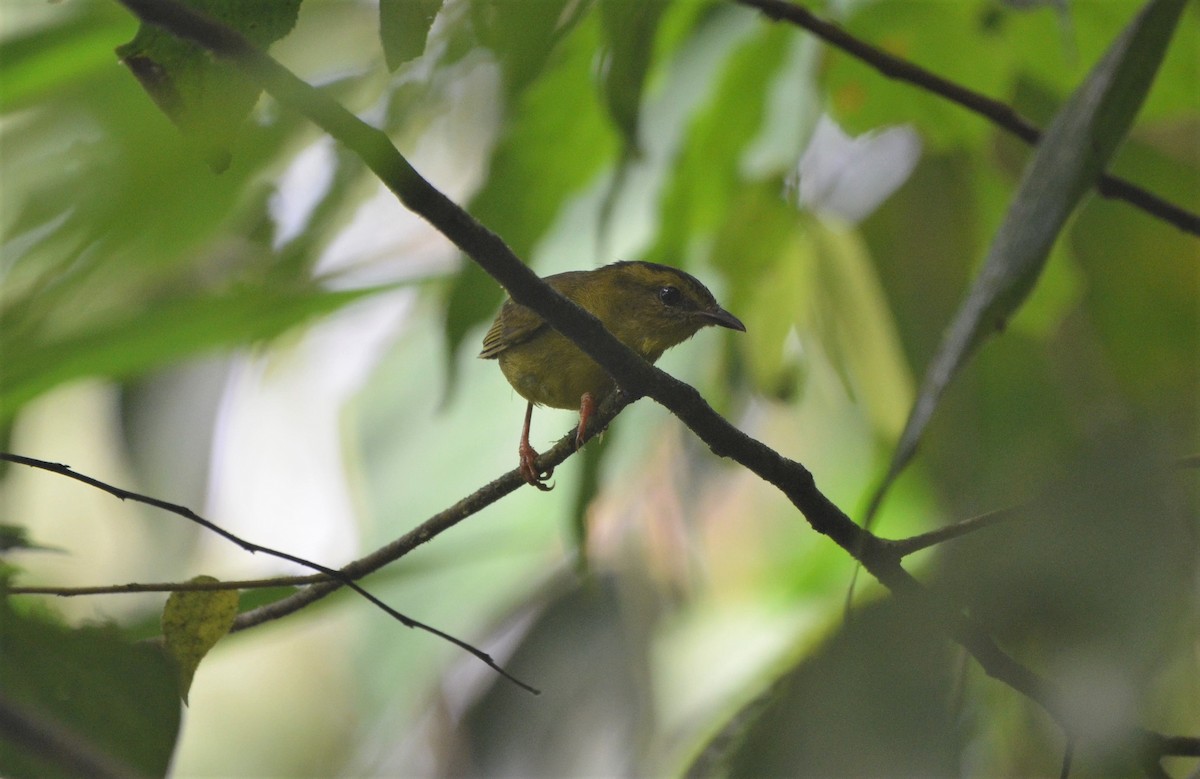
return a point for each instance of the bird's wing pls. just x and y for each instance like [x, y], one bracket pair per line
[516, 324]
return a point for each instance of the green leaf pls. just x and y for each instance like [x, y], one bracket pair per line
[769, 261]
[561, 632]
[933, 35]
[111, 700]
[166, 332]
[629, 32]
[206, 98]
[698, 196]
[51, 59]
[855, 325]
[403, 28]
[1095, 580]
[521, 35]
[1071, 156]
[193, 623]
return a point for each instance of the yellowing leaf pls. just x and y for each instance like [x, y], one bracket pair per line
[780, 301]
[856, 326]
[192, 623]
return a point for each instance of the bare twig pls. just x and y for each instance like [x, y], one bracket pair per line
[325, 584]
[907, 546]
[125, 589]
[435, 525]
[1000, 114]
[186, 513]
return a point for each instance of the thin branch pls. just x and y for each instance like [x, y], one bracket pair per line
[125, 589]
[435, 525]
[906, 546]
[186, 513]
[1000, 114]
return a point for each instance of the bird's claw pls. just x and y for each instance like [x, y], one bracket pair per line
[530, 472]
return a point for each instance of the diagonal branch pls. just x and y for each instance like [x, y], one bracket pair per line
[1000, 114]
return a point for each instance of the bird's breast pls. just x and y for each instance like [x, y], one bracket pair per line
[551, 371]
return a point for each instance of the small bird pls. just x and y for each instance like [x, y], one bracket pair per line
[648, 307]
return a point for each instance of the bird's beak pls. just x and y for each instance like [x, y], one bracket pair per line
[723, 318]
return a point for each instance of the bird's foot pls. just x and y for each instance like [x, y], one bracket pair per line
[529, 469]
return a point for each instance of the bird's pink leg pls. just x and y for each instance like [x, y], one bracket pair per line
[587, 405]
[528, 456]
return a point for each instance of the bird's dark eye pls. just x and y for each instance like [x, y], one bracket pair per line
[670, 296]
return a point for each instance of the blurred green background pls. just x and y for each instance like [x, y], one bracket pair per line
[285, 349]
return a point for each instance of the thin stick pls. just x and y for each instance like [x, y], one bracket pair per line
[252, 548]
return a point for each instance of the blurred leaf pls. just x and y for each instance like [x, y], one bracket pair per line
[193, 623]
[113, 697]
[165, 332]
[794, 276]
[17, 537]
[586, 650]
[207, 98]
[933, 35]
[629, 29]
[53, 58]
[522, 35]
[1147, 323]
[1093, 585]
[133, 207]
[708, 169]
[1071, 156]
[874, 700]
[1039, 50]
[921, 240]
[855, 326]
[403, 27]
[769, 261]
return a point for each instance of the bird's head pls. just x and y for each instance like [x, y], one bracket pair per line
[653, 307]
